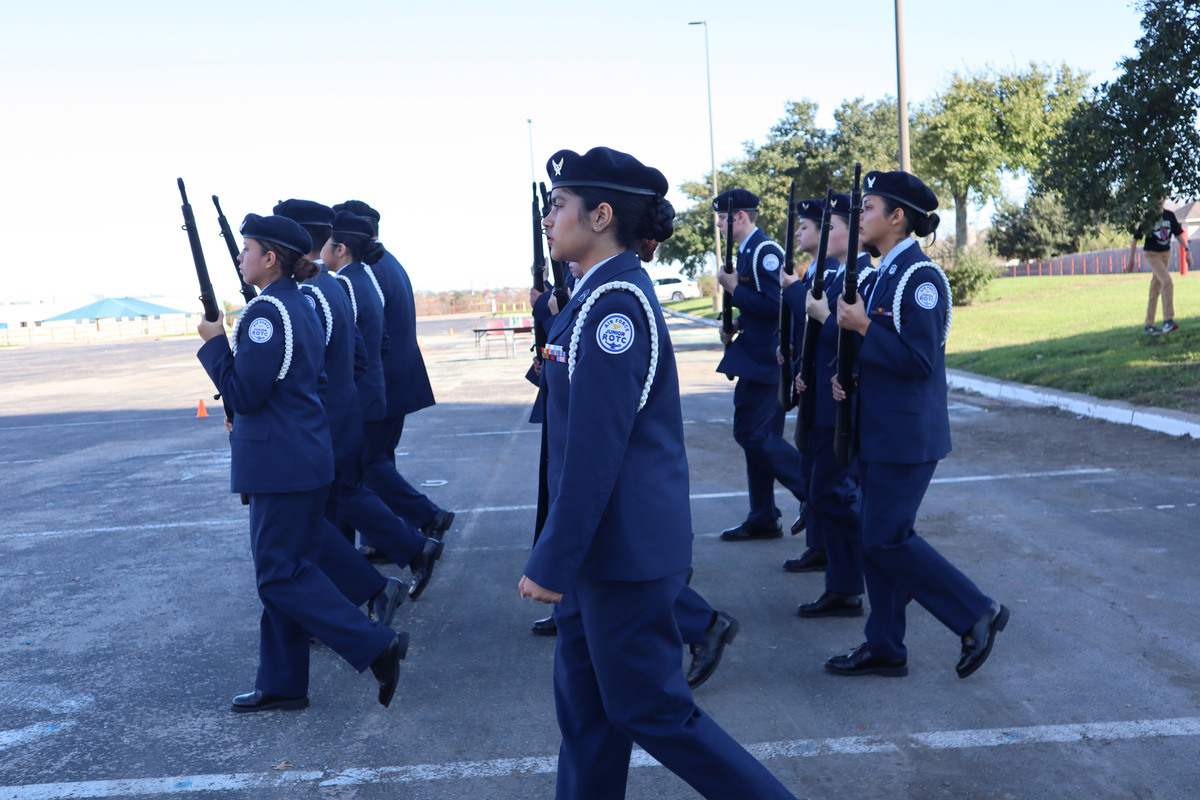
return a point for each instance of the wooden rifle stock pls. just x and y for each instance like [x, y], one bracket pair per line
[248, 291]
[727, 296]
[812, 334]
[787, 377]
[843, 432]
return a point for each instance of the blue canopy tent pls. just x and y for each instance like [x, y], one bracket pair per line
[114, 308]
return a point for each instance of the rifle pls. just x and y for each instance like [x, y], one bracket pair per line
[539, 284]
[207, 297]
[727, 296]
[558, 269]
[843, 431]
[787, 377]
[812, 333]
[248, 291]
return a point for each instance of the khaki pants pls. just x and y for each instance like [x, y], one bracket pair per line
[1160, 283]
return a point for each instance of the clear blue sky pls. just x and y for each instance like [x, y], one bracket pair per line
[420, 109]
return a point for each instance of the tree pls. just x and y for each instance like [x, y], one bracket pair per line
[982, 125]
[1136, 140]
[1042, 228]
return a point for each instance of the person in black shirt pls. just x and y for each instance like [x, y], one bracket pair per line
[1158, 255]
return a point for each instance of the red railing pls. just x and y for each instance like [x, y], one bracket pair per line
[1100, 262]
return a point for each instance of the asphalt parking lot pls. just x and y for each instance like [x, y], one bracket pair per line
[128, 615]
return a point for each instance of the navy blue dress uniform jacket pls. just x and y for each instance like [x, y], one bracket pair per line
[344, 351]
[280, 440]
[752, 353]
[407, 380]
[617, 476]
[372, 390]
[903, 418]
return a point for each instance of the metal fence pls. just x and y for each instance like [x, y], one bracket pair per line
[98, 331]
[1100, 262]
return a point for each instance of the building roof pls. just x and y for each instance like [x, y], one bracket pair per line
[114, 307]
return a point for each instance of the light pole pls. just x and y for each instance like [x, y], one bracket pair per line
[712, 152]
[901, 95]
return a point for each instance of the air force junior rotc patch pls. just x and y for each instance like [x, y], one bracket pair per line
[261, 330]
[927, 295]
[771, 262]
[615, 334]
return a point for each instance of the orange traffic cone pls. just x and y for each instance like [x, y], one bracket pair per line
[200, 412]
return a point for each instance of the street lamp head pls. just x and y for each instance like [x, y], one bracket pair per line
[703, 22]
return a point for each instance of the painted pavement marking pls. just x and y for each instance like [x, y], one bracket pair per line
[542, 765]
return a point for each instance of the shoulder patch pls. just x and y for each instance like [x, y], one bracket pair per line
[311, 301]
[261, 330]
[615, 333]
[770, 262]
[927, 295]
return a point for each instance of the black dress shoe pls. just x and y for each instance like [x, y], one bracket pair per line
[977, 642]
[545, 627]
[386, 668]
[748, 530]
[706, 657]
[800, 524]
[382, 607]
[257, 701]
[422, 566]
[436, 528]
[861, 662]
[373, 554]
[811, 560]
[832, 604]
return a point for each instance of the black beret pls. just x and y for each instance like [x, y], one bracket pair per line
[279, 230]
[840, 204]
[902, 187]
[357, 207]
[735, 200]
[605, 168]
[305, 212]
[810, 209]
[345, 222]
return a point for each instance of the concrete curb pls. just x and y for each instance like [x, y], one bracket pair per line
[712, 323]
[1162, 420]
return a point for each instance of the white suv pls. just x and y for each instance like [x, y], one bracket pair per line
[673, 288]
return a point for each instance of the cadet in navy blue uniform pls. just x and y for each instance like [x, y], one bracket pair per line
[751, 358]
[407, 390]
[903, 430]
[349, 499]
[616, 545]
[833, 496]
[282, 458]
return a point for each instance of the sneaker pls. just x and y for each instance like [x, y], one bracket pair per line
[1169, 326]
[1153, 331]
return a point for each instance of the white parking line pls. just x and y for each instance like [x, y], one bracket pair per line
[31, 733]
[541, 765]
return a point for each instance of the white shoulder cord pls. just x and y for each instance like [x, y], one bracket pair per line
[350, 288]
[374, 280]
[287, 331]
[899, 297]
[583, 312]
[324, 308]
[754, 261]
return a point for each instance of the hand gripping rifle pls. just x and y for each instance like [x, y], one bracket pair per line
[843, 432]
[727, 296]
[812, 333]
[787, 377]
[248, 291]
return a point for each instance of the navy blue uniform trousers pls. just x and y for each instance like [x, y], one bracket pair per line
[899, 564]
[380, 440]
[349, 570]
[298, 598]
[618, 680]
[833, 505]
[353, 505]
[758, 428]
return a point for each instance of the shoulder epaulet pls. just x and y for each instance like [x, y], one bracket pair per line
[287, 331]
[899, 296]
[349, 288]
[378, 290]
[325, 310]
[624, 286]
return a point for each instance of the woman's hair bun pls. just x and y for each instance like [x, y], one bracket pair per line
[927, 225]
[659, 223]
[304, 269]
[372, 251]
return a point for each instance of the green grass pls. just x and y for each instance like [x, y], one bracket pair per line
[1083, 334]
[699, 306]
